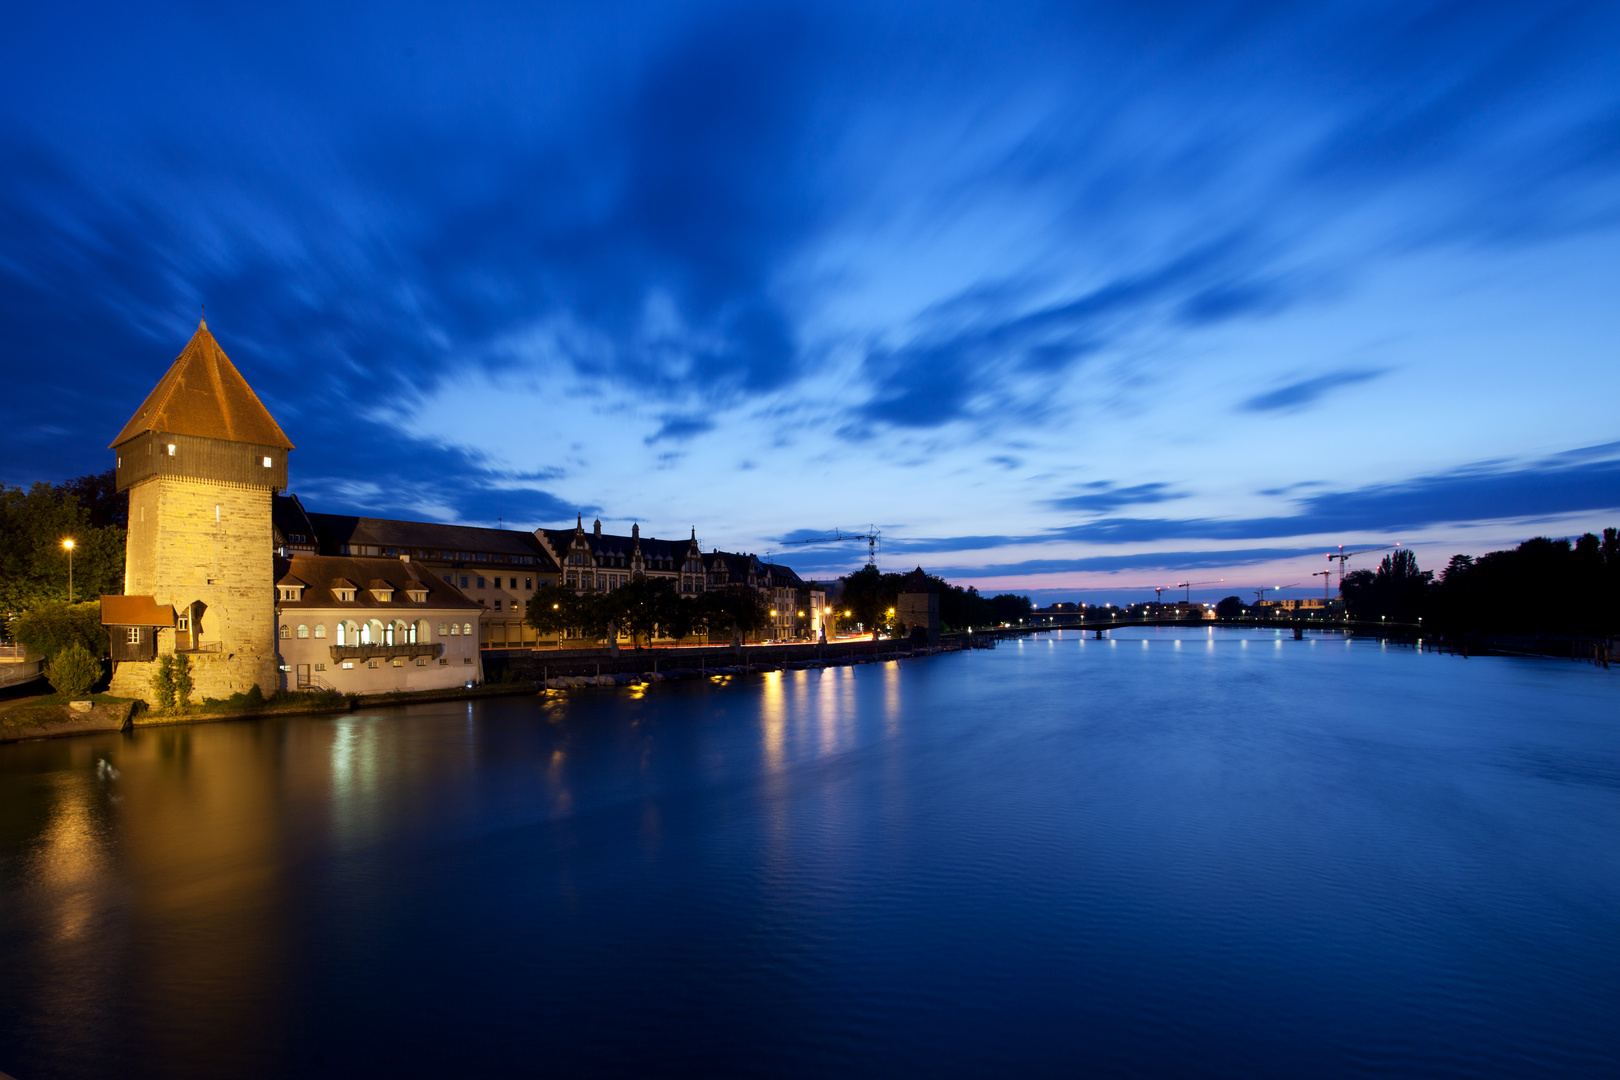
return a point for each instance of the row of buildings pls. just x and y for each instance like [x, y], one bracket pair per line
[224, 566]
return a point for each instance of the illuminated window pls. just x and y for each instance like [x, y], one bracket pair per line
[347, 664]
[399, 661]
[421, 661]
[267, 463]
[455, 630]
[303, 631]
[286, 631]
[466, 628]
[320, 667]
[171, 449]
[441, 630]
[320, 630]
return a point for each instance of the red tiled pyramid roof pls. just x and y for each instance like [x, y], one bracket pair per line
[203, 394]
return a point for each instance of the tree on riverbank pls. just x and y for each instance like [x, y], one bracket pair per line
[33, 524]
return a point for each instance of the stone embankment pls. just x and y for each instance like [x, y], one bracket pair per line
[711, 671]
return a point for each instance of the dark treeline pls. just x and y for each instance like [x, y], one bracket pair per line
[644, 608]
[869, 595]
[1543, 586]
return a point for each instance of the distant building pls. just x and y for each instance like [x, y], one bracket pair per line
[918, 607]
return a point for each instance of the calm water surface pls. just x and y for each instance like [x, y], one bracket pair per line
[1174, 854]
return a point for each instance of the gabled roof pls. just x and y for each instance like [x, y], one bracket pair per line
[441, 542]
[203, 394]
[287, 581]
[327, 574]
[135, 611]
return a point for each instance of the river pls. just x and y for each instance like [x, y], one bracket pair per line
[1172, 853]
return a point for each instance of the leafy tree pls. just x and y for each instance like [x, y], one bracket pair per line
[1010, 608]
[1230, 607]
[73, 671]
[1398, 591]
[51, 627]
[737, 611]
[553, 609]
[33, 524]
[645, 606]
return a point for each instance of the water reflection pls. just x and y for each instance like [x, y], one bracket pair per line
[1153, 861]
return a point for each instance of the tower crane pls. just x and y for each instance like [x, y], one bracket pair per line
[1260, 593]
[873, 538]
[1344, 556]
[1188, 585]
[1325, 575]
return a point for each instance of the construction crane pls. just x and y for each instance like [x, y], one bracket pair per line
[1260, 594]
[1188, 585]
[1325, 575]
[1345, 556]
[873, 538]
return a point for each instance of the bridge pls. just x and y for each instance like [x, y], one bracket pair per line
[1063, 620]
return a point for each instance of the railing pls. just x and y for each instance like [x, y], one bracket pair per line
[307, 681]
[383, 652]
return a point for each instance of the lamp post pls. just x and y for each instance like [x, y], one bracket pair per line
[68, 544]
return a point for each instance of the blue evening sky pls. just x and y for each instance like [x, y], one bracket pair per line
[1072, 299]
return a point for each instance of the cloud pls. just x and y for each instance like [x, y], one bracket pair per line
[1297, 395]
[1111, 498]
[1482, 492]
[1173, 561]
[680, 428]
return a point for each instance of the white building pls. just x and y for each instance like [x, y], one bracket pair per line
[366, 626]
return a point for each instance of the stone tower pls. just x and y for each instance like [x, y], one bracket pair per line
[201, 459]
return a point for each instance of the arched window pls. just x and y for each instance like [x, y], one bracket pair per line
[320, 630]
[442, 630]
[422, 636]
[303, 631]
[286, 631]
[466, 628]
[374, 630]
[388, 634]
[365, 634]
[404, 634]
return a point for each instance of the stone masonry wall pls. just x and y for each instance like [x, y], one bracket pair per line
[192, 540]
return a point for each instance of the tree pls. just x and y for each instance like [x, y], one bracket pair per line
[1010, 608]
[1397, 592]
[33, 524]
[737, 610]
[51, 627]
[1230, 607]
[870, 595]
[553, 609]
[73, 671]
[645, 606]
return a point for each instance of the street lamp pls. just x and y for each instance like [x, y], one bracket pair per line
[68, 543]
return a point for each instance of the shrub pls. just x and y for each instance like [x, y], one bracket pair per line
[49, 628]
[171, 683]
[73, 671]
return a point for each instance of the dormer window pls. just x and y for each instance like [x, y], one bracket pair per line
[381, 591]
[289, 593]
[344, 590]
[290, 589]
[417, 594]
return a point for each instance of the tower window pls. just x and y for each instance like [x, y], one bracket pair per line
[267, 463]
[134, 637]
[171, 449]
